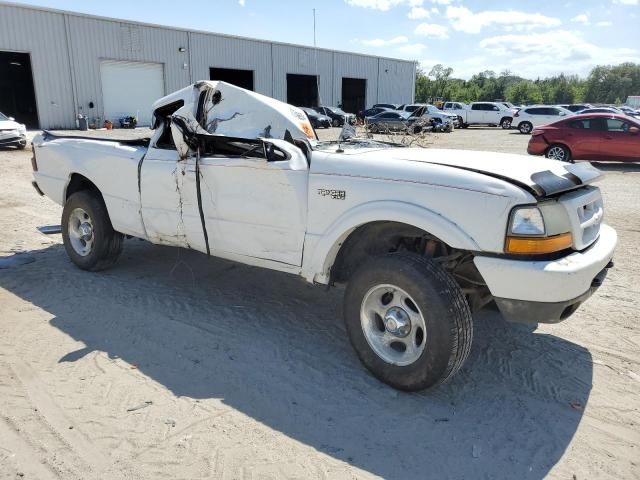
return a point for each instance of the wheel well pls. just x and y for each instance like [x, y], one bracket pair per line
[78, 183]
[507, 117]
[379, 238]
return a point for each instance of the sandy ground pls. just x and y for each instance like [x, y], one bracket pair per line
[175, 366]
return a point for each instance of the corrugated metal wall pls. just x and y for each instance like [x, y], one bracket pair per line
[396, 81]
[42, 35]
[355, 66]
[210, 50]
[94, 40]
[66, 50]
[301, 60]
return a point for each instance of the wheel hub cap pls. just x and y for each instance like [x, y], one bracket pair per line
[393, 325]
[397, 322]
[86, 231]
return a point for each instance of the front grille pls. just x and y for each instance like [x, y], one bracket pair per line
[586, 211]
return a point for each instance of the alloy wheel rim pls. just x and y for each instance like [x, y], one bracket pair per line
[556, 153]
[393, 325]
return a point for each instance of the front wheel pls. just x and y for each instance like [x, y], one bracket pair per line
[559, 152]
[408, 321]
[505, 123]
[88, 236]
[525, 127]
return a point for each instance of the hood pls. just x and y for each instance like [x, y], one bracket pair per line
[11, 125]
[539, 176]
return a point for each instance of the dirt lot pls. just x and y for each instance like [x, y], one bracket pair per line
[175, 366]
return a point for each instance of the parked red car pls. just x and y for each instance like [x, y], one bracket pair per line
[591, 136]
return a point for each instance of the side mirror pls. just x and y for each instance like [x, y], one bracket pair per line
[562, 114]
[269, 151]
[11, 119]
[634, 130]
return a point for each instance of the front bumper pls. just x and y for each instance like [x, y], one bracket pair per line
[547, 291]
[13, 140]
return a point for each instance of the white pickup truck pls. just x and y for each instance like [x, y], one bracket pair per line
[421, 237]
[480, 113]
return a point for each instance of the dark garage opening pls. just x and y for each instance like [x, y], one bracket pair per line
[239, 78]
[354, 94]
[302, 90]
[17, 95]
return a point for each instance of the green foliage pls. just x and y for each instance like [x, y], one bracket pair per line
[605, 84]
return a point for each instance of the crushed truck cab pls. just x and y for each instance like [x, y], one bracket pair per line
[421, 237]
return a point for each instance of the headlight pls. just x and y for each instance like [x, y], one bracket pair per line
[527, 234]
[526, 221]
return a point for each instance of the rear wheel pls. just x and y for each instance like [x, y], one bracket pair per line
[559, 152]
[408, 321]
[88, 236]
[525, 127]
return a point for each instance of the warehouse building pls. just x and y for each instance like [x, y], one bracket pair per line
[55, 65]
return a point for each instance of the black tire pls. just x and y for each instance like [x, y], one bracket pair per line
[107, 243]
[525, 127]
[335, 122]
[559, 152]
[448, 320]
[22, 146]
[505, 123]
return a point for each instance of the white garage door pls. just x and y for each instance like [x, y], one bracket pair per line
[130, 88]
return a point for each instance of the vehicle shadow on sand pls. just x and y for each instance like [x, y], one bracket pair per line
[622, 167]
[275, 349]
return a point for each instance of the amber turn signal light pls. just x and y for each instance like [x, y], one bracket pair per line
[538, 245]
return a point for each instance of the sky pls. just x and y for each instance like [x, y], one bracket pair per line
[531, 39]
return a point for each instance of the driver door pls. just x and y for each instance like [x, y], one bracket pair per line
[253, 208]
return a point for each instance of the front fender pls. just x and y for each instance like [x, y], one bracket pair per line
[321, 250]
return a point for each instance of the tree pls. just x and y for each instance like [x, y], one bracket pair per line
[440, 75]
[524, 92]
[605, 84]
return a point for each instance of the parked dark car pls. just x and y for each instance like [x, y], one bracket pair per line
[596, 136]
[317, 119]
[337, 115]
[390, 120]
[599, 110]
[630, 111]
[371, 112]
[576, 107]
[390, 106]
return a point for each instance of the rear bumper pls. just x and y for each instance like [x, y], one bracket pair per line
[537, 145]
[543, 291]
